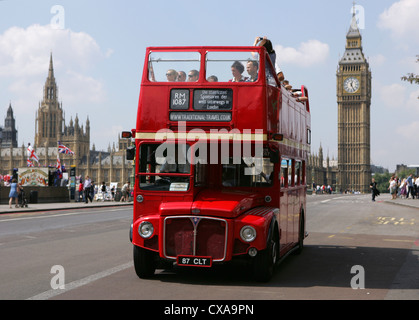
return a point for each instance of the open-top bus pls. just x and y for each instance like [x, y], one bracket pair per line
[219, 164]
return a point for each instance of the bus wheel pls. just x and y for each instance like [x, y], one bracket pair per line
[144, 263]
[266, 260]
[301, 234]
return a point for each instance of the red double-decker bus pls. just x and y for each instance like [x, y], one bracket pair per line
[220, 160]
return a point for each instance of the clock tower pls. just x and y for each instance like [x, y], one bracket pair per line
[354, 101]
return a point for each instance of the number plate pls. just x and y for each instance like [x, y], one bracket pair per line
[194, 261]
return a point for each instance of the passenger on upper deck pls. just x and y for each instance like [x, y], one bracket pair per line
[265, 42]
[237, 69]
[252, 69]
[212, 79]
[193, 75]
[181, 76]
[171, 75]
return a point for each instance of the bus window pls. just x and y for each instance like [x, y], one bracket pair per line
[247, 174]
[223, 64]
[286, 171]
[160, 166]
[298, 171]
[173, 66]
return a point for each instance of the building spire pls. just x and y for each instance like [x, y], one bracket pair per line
[51, 68]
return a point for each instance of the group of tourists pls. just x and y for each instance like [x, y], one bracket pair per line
[405, 188]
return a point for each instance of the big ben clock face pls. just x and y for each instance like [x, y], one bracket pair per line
[351, 85]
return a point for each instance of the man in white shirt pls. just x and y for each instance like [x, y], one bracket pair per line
[87, 189]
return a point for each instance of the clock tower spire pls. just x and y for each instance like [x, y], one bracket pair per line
[354, 100]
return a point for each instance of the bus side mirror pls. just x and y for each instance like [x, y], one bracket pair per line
[131, 153]
[274, 156]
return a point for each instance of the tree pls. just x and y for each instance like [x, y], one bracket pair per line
[411, 77]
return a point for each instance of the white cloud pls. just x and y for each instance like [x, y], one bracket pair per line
[413, 101]
[406, 129]
[308, 53]
[25, 52]
[88, 89]
[392, 95]
[402, 19]
[377, 60]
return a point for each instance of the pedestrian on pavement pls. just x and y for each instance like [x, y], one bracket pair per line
[103, 189]
[13, 194]
[393, 188]
[417, 187]
[374, 190]
[125, 192]
[409, 181]
[87, 189]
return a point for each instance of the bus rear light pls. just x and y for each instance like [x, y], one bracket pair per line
[146, 229]
[278, 137]
[140, 198]
[248, 233]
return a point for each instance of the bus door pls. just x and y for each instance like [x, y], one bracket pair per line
[286, 203]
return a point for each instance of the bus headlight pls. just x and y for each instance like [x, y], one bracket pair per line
[146, 229]
[248, 233]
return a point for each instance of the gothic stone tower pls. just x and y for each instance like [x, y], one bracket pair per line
[354, 100]
[50, 127]
[8, 138]
[49, 117]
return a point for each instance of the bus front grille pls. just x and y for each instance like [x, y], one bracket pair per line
[195, 236]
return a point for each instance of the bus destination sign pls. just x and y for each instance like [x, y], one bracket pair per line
[213, 99]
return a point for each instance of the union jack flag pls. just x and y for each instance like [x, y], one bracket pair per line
[63, 149]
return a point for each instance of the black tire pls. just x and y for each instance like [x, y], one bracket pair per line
[301, 235]
[144, 262]
[266, 260]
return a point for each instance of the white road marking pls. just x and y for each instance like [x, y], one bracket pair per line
[52, 216]
[78, 283]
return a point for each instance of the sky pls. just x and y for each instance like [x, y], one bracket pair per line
[98, 50]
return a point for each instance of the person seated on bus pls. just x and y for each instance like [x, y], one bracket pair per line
[287, 85]
[181, 76]
[296, 93]
[252, 69]
[212, 79]
[237, 69]
[193, 75]
[175, 164]
[171, 75]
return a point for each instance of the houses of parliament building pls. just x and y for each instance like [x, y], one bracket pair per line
[50, 128]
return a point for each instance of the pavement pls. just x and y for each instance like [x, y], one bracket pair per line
[34, 207]
[413, 203]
